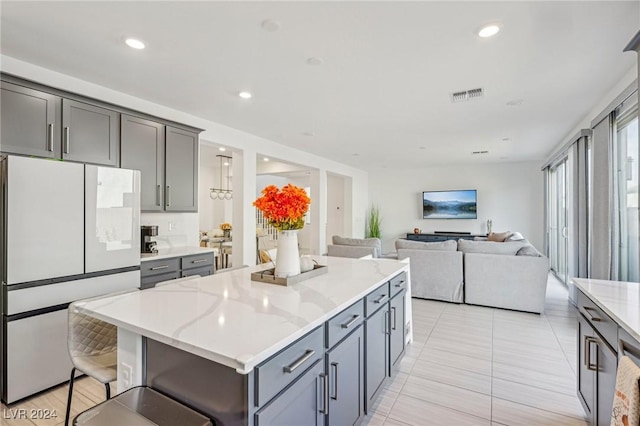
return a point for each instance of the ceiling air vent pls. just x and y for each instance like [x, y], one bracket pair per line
[467, 95]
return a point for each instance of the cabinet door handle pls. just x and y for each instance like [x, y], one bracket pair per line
[297, 363]
[157, 195]
[350, 322]
[67, 140]
[400, 284]
[325, 394]
[159, 267]
[591, 317]
[335, 380]
[198, 260]
[588, 341]
[386, 322]
[393, 327]
[50, 141]
[168, 196]
[380, 299]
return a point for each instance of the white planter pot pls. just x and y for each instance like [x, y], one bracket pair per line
[288, 258]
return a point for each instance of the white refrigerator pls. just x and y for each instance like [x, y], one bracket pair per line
[68, 231]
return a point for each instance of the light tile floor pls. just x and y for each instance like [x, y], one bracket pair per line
[468, 365]
[471, 365]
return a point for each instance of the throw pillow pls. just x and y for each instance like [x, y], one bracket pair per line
[516, 236]
[528, 250]
[490, 247]
[498, 237]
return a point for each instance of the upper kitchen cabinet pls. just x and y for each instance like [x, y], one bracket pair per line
[91, 134]
[168, 160]
[30, 121]
[143, 149]
[181, 170]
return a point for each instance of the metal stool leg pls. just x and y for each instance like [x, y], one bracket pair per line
[66, 417]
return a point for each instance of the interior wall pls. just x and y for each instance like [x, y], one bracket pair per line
[174, 229]
[335, 206]
[509, 194]
[211, 213]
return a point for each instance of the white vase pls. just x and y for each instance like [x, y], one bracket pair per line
[288, 258]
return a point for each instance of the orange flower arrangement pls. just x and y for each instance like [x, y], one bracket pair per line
[284, 208]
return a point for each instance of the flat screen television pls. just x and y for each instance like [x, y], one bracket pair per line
[460, 204]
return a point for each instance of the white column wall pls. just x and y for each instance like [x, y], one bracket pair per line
[244, 184]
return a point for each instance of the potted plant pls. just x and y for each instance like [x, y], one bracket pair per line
[372, 224]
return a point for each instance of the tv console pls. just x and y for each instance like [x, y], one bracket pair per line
[442, 236]
[451, 233]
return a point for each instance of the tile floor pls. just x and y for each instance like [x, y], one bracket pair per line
[471, 365]
[468, 365]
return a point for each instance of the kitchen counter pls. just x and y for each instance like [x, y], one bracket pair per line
[236, 322]
[165, 253]
[620, 300]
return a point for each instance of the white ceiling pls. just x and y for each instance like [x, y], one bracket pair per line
[383, 90]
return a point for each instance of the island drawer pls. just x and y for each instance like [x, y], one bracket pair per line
[607, 328]
[160, 266]
[280, 370]
[398, 283]
[376, 299]
[151, 281]
[344, 323]
[196, 261]
[203, 271]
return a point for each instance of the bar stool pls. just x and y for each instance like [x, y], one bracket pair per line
[92, 345]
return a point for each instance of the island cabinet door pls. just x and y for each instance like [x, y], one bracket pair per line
[345, 369]
[397, 318]
[376, 354]
[303, 403]
[586, 376]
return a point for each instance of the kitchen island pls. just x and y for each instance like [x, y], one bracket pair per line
[245, 352]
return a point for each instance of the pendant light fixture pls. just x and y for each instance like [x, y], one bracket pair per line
[223, 192]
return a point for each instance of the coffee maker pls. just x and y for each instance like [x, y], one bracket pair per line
[146, 244]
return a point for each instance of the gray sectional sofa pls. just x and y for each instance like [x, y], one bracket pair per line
[354, 247]
[510, 275]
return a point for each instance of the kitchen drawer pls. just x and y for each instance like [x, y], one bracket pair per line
[631, 346]
[376, 299]
[202, 271]
[151, 281]
[398, 283]
[599, 320]
[160, 266]
[277, 372]
[196, 261]
[344, 323]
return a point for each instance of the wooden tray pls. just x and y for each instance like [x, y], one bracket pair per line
[267, 276]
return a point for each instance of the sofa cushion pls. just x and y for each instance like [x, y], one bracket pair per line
[528, 250]
[490, 247]
[449, 245]
[361, 242]
[499, 237]
[515, 236]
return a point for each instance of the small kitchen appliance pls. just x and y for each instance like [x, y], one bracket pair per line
[147, 245]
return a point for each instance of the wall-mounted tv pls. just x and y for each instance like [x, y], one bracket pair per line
[450, 204]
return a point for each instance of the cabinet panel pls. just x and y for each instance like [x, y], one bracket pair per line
[397, 319]
[300, 404]
[345, 371]
[344, 323]
[607, 361]
[91, 134]
[377, 354]
[203, 272]
[30, 121]
[181, 185]
[585, 376]
[143, 149]
[376, 299]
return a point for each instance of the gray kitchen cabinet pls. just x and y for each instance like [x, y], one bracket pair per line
[396, 337]
[376, 354]
[304, 403]
[30, 121]
[597, 361]
[345, 371]
[181, 173]
[142, 148]
[91, 134]
[155, 271]
[167, 158]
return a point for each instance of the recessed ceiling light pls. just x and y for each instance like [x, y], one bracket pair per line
[270, 25]
[265, 159]
[222, 148]
[315, 61]
[135, 43]
[226, 163]
[488, 31]
[245, 95]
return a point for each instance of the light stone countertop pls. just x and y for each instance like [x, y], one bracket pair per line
[229, 319]
[165, 253]
[620, 300]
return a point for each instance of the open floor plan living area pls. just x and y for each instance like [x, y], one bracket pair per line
[319, 213]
